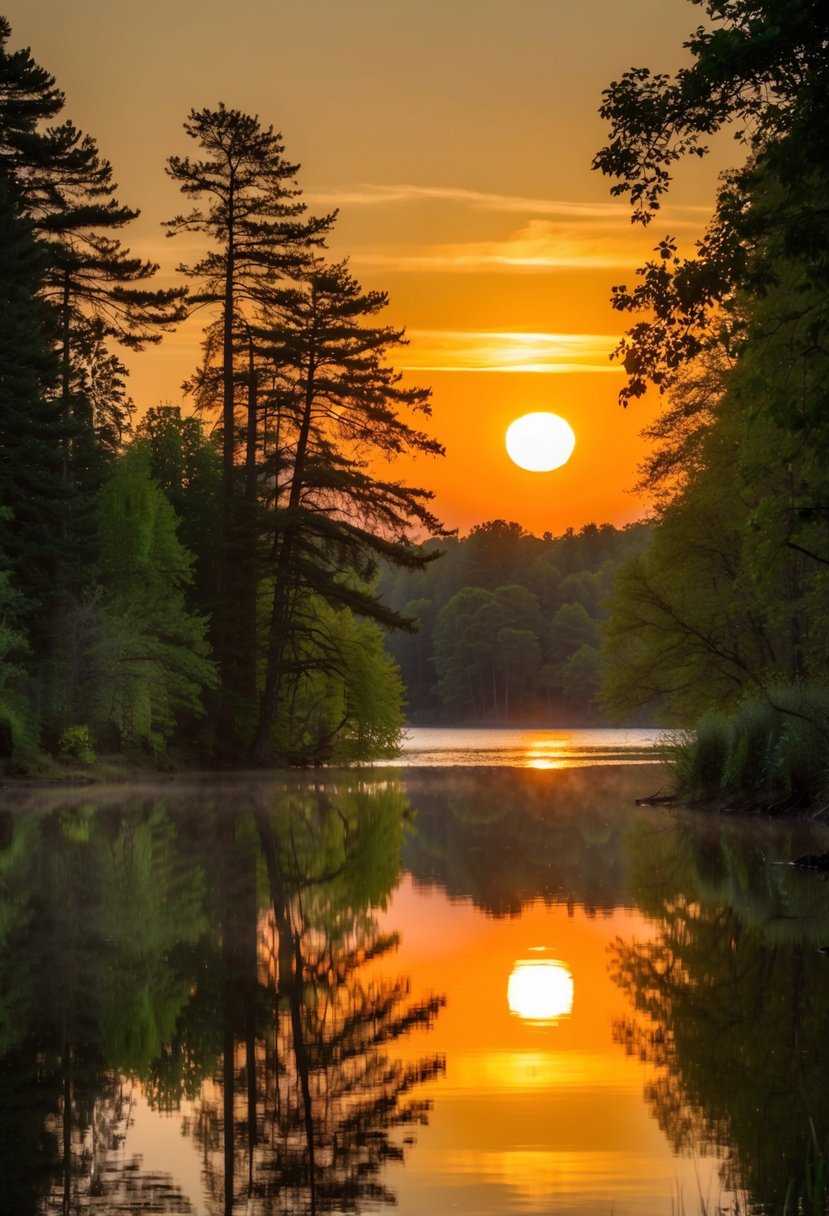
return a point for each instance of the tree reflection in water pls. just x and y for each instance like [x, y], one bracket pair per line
[731, 1000]
[218, 961]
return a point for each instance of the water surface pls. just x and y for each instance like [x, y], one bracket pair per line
[477, 990]
[525, 748]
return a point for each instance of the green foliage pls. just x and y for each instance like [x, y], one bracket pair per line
[133, 657]
[772, 753]
[186, 464]
[18, 730]
[75, 745]
[155, 647]
[342, 412]
[730, 599]
[526, 647]
[580, 676]
[344, 698]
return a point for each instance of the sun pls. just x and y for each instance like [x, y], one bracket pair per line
[540, 442]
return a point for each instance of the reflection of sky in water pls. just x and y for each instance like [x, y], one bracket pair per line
[426, 746]
[540, 1110]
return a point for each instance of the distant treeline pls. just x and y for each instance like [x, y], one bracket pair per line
[509, 623]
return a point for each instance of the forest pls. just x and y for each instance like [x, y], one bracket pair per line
[200, 579]
[509, 624]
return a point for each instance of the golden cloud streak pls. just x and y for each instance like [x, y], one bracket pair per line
[368, 195]
[505, 351]
[540, 245]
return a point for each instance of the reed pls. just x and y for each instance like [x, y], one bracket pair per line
[772, 752]
[808, 1191]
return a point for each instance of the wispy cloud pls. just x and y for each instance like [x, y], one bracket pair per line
[539, 245]
[368, 195]
[444, 350]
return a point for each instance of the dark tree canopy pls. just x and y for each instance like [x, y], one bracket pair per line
[760, 67]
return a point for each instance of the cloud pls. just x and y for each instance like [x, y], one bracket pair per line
[555, 233]
[539, 245]
[368, 195]
[443, 350]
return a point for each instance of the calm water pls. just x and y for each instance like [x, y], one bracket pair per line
[437, 747]
[473, 990]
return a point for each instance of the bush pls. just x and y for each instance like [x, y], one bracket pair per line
[699, 758]
[772, 752]
[75, 746]
[18, 737]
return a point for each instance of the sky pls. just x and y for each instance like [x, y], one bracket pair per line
[455, 137]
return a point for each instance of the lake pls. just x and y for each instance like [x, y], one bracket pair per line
[466, 986]
[436, 747]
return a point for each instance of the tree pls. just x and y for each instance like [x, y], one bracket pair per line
[717, 606]
[257, 223]
[494, 549]
[56, 191]
[339, 412]
[571, 627]
[463, 653]
[342, 697]
[763, 67]
[737, 335]
[31, 433]
[581, 678]
[134, 658]
[459, 629]
[186, 464]
[95, 288]
[517, 659]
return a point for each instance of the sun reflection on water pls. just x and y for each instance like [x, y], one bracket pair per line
[540, 990]
[549, 753]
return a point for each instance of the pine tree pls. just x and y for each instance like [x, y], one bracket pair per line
[30, 426]
[95, 287]
[333, 423]
[257, 223]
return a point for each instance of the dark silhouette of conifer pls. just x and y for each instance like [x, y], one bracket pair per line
[31, 432]
[337, 417]
[96, 289]
[256, 221]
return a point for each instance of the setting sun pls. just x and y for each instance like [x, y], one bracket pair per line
[540, 442]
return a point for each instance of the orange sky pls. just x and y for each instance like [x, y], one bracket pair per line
[456, 138]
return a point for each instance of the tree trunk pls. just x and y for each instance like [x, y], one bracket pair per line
[269, 700]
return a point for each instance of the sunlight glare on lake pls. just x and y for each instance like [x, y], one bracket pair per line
[547, 753]
[540, 990]
[515, 747]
